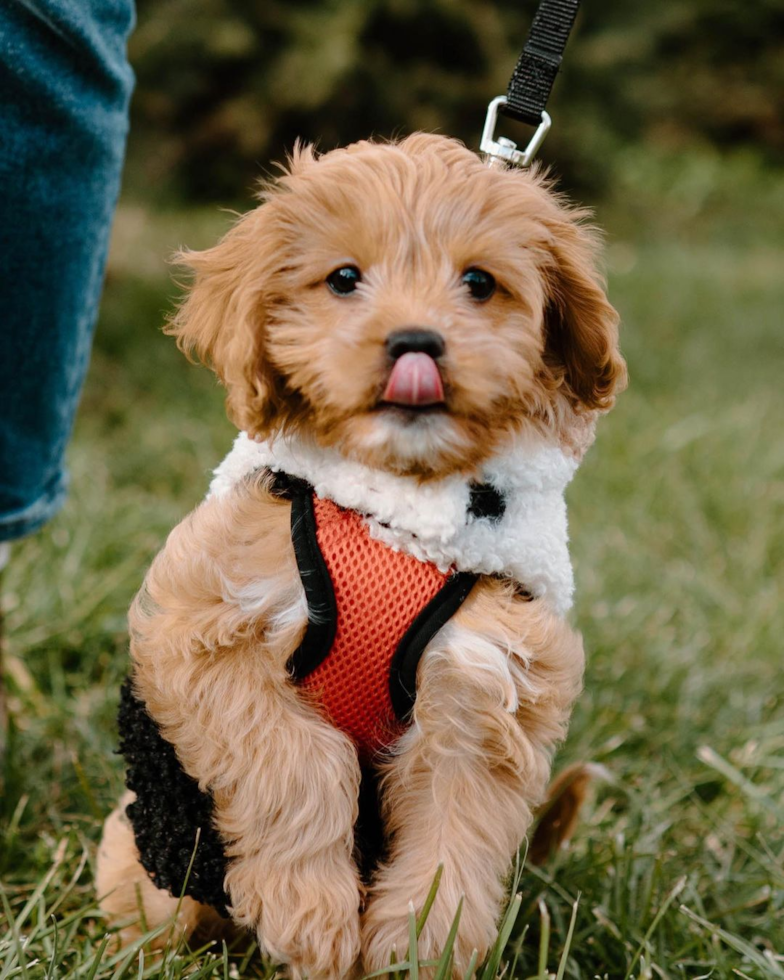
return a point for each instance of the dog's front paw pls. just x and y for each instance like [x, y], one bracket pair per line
[318, 939]
[305, 918]
[385, 925]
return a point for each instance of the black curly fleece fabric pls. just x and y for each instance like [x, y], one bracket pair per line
[170, 807]
[168, 810]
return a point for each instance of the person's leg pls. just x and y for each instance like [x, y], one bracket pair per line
[65, 84]
[4, 554]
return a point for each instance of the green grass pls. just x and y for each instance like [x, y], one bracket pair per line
[678, 867]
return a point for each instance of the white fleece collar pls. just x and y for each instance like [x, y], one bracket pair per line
[432, 521]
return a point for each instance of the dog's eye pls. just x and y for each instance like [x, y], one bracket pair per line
[480, 284]
[344, 280]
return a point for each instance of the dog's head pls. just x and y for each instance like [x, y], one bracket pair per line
[406, 304]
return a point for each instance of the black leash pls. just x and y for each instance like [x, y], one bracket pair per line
[534, 74]
[531, 83]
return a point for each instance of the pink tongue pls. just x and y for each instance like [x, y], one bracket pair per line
[415, 380]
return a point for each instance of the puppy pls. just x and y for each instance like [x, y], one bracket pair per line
[415, 347]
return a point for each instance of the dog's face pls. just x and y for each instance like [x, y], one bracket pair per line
[405, 304]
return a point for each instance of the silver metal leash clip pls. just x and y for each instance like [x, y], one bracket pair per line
[502, 151]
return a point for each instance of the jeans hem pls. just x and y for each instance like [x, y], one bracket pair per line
[23, 523]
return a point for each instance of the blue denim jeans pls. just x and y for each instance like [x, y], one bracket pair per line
[65, 84]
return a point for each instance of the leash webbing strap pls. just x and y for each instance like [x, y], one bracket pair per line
[535, 72]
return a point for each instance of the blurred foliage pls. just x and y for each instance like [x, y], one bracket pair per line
[225, 86]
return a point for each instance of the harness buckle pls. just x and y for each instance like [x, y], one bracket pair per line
[503, 151]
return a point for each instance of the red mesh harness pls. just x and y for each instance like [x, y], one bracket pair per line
[372, 611]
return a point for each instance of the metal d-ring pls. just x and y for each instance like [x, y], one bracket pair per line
[503, 151]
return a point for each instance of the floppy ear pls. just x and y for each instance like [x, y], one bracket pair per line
[581, 345]
[221, 320]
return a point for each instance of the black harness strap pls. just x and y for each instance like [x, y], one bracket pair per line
[437, 613]
[322, 607]
[534, 74]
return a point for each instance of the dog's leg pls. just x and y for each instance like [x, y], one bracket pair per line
[495, 689]
[130, 899]
[291, 875]
[221, 612]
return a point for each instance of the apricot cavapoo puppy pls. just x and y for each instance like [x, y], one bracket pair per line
[350, 663]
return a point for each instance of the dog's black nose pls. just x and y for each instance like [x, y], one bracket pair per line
[414, 339]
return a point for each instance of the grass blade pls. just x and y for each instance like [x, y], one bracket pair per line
[17, 942]
[771, 968]
[518, 946]
[66, 892]
[544, 940]
[400, 967]
[469, 973]
[431, 897]
[568, 944]
[444, 962]
[125, 962]
[50, 970]
[712, 758]
[43, 884]
[413, 948]
[494, 959]
[98, 957]
[674, 892]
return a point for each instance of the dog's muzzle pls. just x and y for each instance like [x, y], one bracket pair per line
[415, 381]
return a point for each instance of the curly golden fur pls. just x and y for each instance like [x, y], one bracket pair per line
[413, 215]
[222, 607]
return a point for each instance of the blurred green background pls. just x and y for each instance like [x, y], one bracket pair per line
[223, 85]
[669, 121]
